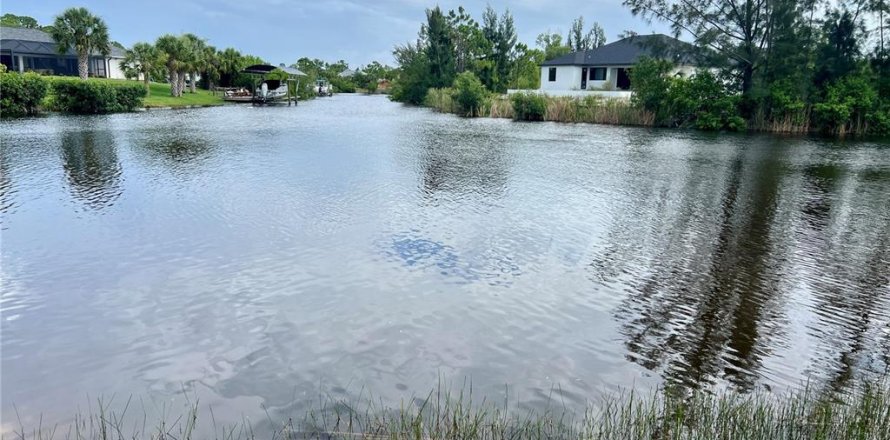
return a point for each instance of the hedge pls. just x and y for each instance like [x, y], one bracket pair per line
[91, 97]
[21, 94]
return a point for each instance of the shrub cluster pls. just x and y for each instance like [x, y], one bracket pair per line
[701, 101]
[468, 94]
[21, 94]
[529, 106]
[91, 97]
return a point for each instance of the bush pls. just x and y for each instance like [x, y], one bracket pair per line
[91, 97]
[468, 94]
[847, 105]
[529, 106]
[21, 94]
[701, 101]
[651, 85]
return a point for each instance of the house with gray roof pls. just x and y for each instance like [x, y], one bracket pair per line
[24, 50]
[606, 68]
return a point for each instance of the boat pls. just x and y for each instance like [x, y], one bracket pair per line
[323, 87]
[270, 90]
[237, 94]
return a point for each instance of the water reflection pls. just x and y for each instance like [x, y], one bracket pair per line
[702, 307]
[851, 290]
[6, 186]
[176, 148]
[353, 243]
[451, 162]
[90, 160]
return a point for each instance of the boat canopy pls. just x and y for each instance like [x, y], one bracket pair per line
[262, 69]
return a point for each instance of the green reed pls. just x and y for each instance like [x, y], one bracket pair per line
[863, 414]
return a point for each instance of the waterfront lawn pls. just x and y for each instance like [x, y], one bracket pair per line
[160, 94]
[160, 97]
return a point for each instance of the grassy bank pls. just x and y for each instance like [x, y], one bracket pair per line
[805, 414]
[159, 94]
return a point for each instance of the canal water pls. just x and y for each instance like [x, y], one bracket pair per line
[259, 258]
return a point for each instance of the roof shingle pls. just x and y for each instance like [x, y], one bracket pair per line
[13, 35]
[627, 51]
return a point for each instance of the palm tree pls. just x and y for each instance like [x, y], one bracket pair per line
[83, 31]
[195, 62]
[230, 63]
[175, 56]
[142, 58]
[210, 69]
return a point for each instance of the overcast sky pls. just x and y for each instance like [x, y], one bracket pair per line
[353, 30]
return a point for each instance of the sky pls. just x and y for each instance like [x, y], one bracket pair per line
[357, 31]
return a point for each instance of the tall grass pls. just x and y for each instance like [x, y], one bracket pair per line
[596, 110]
[803, 414]
[440, 100]
[590, 109]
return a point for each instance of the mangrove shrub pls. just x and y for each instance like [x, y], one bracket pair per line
[702, 101]
[21, 94]
[90, 97]
[529, 106]
[468, 94]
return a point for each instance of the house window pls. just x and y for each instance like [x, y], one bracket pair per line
[597, 73]
[552, 73]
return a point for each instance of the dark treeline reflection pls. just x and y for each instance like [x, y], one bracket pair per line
[174, 148]
[6, 186]
[846, 212]
[708, 288]
[452, 162]
[90, 160]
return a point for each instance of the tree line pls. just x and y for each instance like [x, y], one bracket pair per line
[792, 65]
[454, 43]
[186, 61]
[773, 65]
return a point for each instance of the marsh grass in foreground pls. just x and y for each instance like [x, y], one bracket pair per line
[861, 414]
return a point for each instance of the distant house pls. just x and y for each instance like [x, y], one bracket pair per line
[348, 73]
[607, 68]
[24, 50]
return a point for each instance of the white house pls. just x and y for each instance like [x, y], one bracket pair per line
[606, 69]
[23, 50]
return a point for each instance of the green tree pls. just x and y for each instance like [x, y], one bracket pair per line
[21, 21]
[230, 63]
[175, 54]
[195, 58]
[552, 45]
[209, 73]
[737, 29]
[412, 80]
[79, 29]
[501, 34]
[470, 44]
[840, 50]
[469, 94]
[526, 73]
[579, 41]
[439, 48]
[141, 60]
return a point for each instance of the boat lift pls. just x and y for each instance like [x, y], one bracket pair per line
[273, 91]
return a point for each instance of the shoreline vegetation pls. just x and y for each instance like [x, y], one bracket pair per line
[863, 413]
[784, 67]
[176, 71]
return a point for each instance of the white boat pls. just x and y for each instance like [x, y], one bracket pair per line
[271, 91]
[324, 88]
